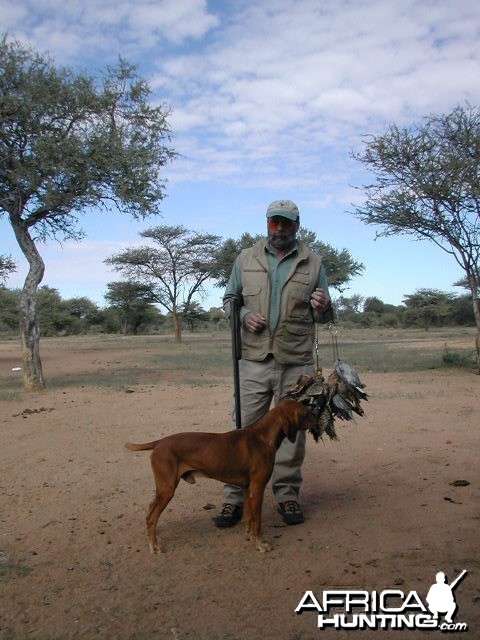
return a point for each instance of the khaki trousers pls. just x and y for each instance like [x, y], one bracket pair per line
[260, 383]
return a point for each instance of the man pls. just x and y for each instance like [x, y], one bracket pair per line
[283, 290]
[440, 596]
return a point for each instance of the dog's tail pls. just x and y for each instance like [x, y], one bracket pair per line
[141, 447]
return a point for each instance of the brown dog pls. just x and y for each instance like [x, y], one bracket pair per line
[243, 457]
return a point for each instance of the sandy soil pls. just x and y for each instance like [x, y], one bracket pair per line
[383, 507]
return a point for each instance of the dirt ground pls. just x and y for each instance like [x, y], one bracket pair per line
[384, 510]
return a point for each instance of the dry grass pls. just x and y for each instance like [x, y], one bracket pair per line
[205, 358]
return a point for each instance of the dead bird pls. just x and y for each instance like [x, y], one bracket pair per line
[348, 374]
[338, 396]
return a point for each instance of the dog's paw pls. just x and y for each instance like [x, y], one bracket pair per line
[155, 548]
[263, 546]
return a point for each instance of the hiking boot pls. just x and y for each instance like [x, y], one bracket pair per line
[291, 512]
[229, 516]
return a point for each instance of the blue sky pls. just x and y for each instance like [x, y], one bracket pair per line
[269, 98]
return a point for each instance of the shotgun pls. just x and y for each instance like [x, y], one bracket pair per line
[457, 579]
[234, 302]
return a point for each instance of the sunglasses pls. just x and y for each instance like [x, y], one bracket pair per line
[275, 222]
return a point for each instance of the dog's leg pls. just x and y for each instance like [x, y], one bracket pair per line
[166, 481]
[247, 512]
[256, 491]
[155, 510]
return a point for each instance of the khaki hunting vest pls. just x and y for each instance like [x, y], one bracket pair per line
[292, 340]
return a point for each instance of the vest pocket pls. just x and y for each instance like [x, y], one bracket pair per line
[297, 339]
[299, 329]
[251, 291]
[299, 310]
[301, 277]
[253, 299]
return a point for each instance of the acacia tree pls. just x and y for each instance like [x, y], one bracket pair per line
[133, 300]
[427, 184]
[350, 305]
[225, 256]
[192, 314]
[429, 307]
[339, 265]
[70, 142]
[7, 266]
[174, 267]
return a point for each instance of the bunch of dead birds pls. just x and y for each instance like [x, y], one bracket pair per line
[338, 396]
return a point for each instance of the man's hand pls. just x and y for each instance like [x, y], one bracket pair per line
[254, 322]
[320, 300]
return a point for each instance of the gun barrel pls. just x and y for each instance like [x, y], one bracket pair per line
[236, 354]
[457, 579]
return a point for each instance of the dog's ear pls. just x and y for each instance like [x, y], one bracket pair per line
[291, 431]
[297, 416]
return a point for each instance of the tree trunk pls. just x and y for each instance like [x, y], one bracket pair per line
[176, 326]
[476, 312]
[29, 331]
[477, 345]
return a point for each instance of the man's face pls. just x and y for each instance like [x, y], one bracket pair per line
[281, 232]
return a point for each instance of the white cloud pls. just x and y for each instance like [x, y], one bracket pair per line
[174, 20]
[72, 30]
[12, 14]
[294, 79]
[270, 95]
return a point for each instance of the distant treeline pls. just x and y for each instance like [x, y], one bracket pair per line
[425, 308]
[58, 317]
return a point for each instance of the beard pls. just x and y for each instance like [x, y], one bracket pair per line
[281, 241]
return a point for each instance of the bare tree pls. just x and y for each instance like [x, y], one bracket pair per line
[428, 185]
